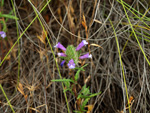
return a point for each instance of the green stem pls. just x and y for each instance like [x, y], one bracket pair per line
[121, 66]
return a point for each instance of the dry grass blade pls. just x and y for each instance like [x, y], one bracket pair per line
[84, 23]
[42, 37]
[96, 45]
[20, 89]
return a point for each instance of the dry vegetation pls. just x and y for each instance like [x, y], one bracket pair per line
[69, 22]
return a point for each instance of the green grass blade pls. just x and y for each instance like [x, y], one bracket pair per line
[7, 98]
[124, 79]
[135, 33]
[62, 80]
[9, 16]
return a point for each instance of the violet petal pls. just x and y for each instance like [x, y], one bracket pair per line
[3, 34]
[59, 45]
[62, 63]
[85, 56]
[71, 64]
[61, 54]
[84, 42]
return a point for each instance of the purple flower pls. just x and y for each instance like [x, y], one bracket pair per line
[85, 56]
[3, 34]
[84, 42]
[59, 45]
[62, 63]
[71, 64]
[70, 54]
[61, 54]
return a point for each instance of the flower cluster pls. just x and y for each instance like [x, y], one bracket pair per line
[3, 34]
[71, 54]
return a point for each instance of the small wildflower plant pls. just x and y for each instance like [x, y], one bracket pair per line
[71, 56]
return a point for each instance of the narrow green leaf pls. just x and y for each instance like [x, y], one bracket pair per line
[63, 80]
[77, 75]
[79, 69]
[86, 91]
[84, 103]
[67, 84]
[79, 96]
[8, 16]
[95, 94]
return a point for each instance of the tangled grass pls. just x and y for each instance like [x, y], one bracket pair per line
[121, 72]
